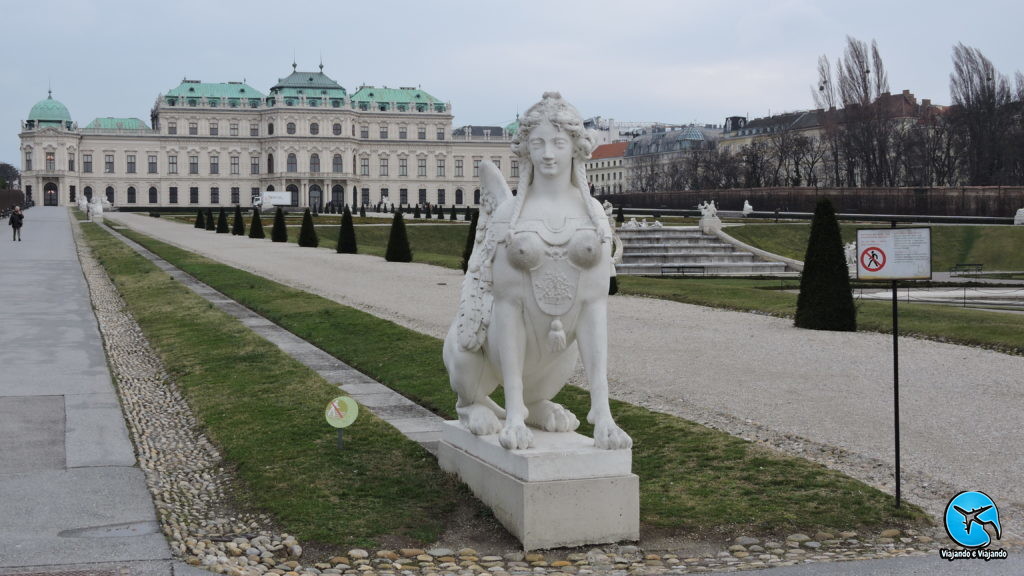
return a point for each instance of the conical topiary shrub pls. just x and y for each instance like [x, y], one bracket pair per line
[362, 211]
[398, 242]
[256, 228]
[416, 211]
[470, 240]
[427, 213]
[238, 226]
[453, 216]
[468, 215]
[825, 301]
[279, 233]
[307, 234]
[222, 222]
[620, 215]
[347, 234]
[210, 223]
[200, 220]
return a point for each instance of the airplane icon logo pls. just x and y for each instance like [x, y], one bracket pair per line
[972, 520]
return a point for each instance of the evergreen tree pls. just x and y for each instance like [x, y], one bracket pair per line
[347, 234]
[307, 234]
[210, 223]
[470, 241]
[222, 222]
[200, 220]
[427, 213]
[279, 233]
[416, 211]
[825, 301]
[256, 228]
[620, 215]
[362, 211]
[468, 215]
[453, 216]
[398, 242]
[238, 227]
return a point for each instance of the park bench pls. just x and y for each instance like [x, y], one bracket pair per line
[965, 270]
[683, 270]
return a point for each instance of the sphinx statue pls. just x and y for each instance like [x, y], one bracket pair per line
[534, 298]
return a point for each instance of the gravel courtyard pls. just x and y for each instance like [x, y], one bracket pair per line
[821, 395]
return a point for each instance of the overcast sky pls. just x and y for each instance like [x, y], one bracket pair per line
[636, 60]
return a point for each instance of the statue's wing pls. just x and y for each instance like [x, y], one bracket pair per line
[477, 300]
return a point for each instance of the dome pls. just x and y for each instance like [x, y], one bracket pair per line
[49, 110]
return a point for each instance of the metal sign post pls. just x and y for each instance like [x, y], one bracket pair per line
[341, 413]
[895, 254]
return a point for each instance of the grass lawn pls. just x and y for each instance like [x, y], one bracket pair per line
[265, 411]
[695, 482]
[995, 247]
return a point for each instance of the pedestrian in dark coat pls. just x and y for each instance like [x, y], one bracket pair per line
[17, 219]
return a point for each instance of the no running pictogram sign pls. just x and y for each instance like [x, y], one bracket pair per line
[872, 259]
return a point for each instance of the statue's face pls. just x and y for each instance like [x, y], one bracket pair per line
[550, 150]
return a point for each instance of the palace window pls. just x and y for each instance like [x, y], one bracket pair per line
[364, 131]
[364, 166]
[336, 163]
[193, 195]
[314, 128]
[151, 162]
[254, 129]
[366, 196]
[235, 193]
[383, 167]
[214, 164]
[153, 195]
[476, 168]
[172, 164]
[214, 130]
[193, 164]
[293, 163]
[421, 167]
[51, 161]
[87, 163]
[71, 163]
[383, 132]
[235, 166]
[290, 128]
[172, 195]
[440, 167]
[131, 195]
[458, 168]
[254, 165]
[270, 128]
[270, 163]
[403, 196]
[403, 132]
[458, 196]
[421, 133]
[440, 200]
[108, 163]
[440, 133]
[314, 163]
[193, 128]
[214, 195]
[336, 129]
[172, 128]
[403, 166]
[515, 168]
[497, 163]
[131, 163]
[423, 196]
[233, 129]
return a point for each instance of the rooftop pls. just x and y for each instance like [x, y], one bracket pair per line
[110, 123]
[195, 88]
[309, 84]
[613, 150]
[49, 110]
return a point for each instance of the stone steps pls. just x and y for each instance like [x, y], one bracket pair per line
[650, 251]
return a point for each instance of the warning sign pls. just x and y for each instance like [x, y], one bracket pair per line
[894, 254]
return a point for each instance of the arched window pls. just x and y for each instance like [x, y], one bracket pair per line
[314, 128]
[270, 188]
[314, 163]
[293, 164]
[153, 196]
[337, 195]
[336, 165]
[290, 128]
[270, 163]
[294, 192]
[476, 196]
[110, 194]
[131, 194]
[336, 129]
[458, 196]
[270, 128]
[88, 193]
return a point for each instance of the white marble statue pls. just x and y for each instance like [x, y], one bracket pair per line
[747, 208]
[709, 221]
[850, 251]
[630, 224]
[96, 208]
[708, 209]
[616, 241]
[535, 295]
[83, 203]
[1018, 219]
[643, 223]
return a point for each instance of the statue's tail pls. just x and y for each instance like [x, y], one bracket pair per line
[556, 336]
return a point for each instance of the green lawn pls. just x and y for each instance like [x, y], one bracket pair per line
[995, 247]
[695, 482]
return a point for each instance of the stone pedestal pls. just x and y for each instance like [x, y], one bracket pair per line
[561, 492]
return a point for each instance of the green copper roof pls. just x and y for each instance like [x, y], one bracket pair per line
[109, 123]
[215, 90]
[308, 84]
[369, 97]
[512, 128]
[49, 110]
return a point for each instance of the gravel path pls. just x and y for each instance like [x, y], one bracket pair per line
[821, 395]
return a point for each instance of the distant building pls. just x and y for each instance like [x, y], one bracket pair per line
[213, 144]
[606, 169]
[653, 159]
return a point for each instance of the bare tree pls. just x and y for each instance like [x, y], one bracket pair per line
[981, 98]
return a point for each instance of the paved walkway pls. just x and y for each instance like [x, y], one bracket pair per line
[71, 496]
[822, 395]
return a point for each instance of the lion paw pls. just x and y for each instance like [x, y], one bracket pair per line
[515, 437]
[552, 417]
[480, 420]
[608, 436]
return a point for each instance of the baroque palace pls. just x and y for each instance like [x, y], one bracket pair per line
[213, 144]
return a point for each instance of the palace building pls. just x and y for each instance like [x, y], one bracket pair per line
[216, 144]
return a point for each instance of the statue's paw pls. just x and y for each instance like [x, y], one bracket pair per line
[480, 420]
[608, 436]
[515, 437]
[552, 417]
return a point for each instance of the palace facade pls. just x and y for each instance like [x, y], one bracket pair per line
[216, 144]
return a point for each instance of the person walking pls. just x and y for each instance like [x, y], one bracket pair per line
[17, 219]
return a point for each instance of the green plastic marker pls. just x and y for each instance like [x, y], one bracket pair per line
[341, 413]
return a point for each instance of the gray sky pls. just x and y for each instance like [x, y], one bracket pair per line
[671, 61]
